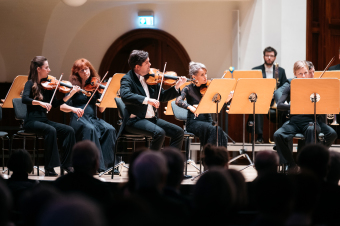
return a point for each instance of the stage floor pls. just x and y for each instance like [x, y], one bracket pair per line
[249, 174]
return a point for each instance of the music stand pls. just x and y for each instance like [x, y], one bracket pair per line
[14, 92]
[315, 96]
[327, 74]
[112, 87]
[247, 93]
[218, 91]
[107, 100]
[237, 75]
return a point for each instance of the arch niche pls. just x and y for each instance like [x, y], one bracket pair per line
[161, 46]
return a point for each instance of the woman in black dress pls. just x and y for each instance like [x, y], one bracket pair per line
[89, 127]
[199, 124]
[37, 100]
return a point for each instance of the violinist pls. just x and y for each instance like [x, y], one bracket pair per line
[141, 101]
[37, 101]
[199, 124]
[85, 123]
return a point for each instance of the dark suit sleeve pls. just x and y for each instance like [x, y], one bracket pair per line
[283, 77]
[168, 94]
[127, 94]
[281, 106]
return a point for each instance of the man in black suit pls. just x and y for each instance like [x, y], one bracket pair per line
[268, 71]
[335, 67]
[141, 101]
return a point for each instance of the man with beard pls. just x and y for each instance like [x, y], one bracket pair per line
[268, 71]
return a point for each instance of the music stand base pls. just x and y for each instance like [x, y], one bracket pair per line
[120, 164]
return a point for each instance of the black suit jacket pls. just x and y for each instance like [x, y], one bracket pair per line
[282, 73]
[335, 68]
[133, 94]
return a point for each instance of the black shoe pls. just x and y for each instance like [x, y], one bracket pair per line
[67, 169]
[259, 141]
[50, 173]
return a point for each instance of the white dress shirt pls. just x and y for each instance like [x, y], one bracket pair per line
[269, 71]
[150, 113]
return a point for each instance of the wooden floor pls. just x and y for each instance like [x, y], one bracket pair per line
[249, 174]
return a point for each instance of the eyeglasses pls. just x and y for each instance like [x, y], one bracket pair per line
[84, 69]
[272, 56]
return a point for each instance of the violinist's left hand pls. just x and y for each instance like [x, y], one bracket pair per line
[74, 90]
[181, 80]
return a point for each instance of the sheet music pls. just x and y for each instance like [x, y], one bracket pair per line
[103, 94]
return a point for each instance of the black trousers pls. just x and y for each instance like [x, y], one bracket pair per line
[157, 129]
[284, 137]
[51, 130]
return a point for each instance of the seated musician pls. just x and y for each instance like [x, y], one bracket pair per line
[335, 67]
[37, 100]
[298, 124]
[269, 70]
[199, 124]
[141, 100]
[85, 123]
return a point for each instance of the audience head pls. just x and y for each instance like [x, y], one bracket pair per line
[314, 158]
[150, 171]
[85, 157]
[72, 211]
[214, 195]
[274, 197]
[35, 202]
[20, 162]
[334, 169]
[215, 156]
[175, 163]
[241, 188]
[134, 156]
[266, 162]
[5, 203]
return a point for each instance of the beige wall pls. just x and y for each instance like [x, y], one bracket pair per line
[63, 33]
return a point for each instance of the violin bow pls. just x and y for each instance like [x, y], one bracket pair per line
[329, 64]
[94, 92]
[160, 87]
[56, 89]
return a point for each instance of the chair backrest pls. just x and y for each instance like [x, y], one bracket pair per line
[120, 107]
[180, 114]
[20, 109]
[0, 113]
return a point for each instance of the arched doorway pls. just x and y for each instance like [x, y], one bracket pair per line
[161, 46]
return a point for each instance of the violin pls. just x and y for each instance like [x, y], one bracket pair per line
[95, 82]
[51, 83]
[204, 87]
[155, 76]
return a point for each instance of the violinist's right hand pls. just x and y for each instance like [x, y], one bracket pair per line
[78, 111]
[193, 110]
[45, 105]
[153, 102]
